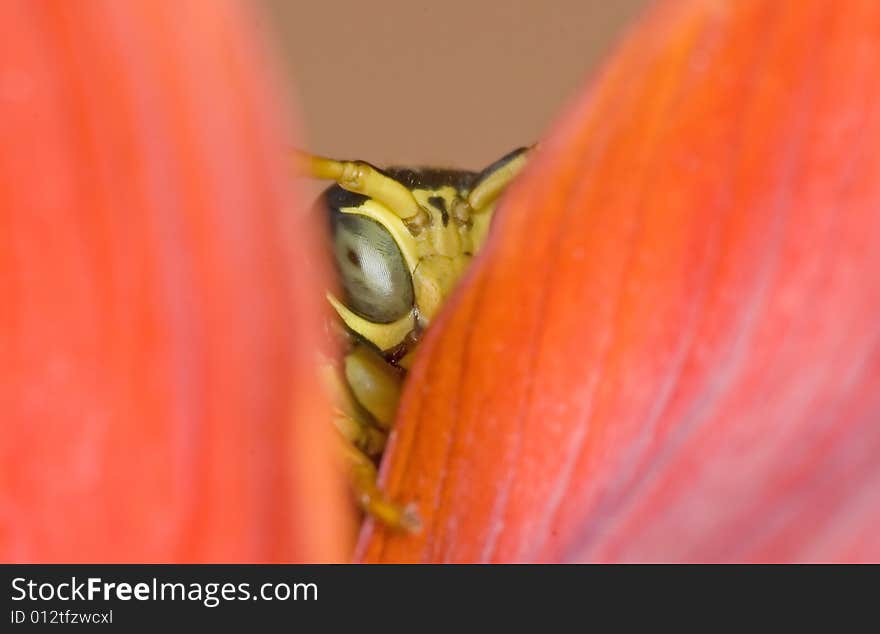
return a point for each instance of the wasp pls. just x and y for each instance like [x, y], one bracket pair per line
[400, 239]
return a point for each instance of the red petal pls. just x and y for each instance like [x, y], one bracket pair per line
[671, 348]
[157, 384]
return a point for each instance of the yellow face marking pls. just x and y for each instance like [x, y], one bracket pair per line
[448, 239]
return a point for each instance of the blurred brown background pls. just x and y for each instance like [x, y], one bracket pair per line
[449, 83]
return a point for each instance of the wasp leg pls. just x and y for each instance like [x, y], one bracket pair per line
[370, 497]
[353, 423]
[375, 385]
[362, 435]
[362, 178]
[358, 449]
[365, 400]
[374, 382]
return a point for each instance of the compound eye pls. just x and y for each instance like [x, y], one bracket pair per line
[374, 275]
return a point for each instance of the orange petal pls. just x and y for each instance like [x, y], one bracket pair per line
[157, 384]
[670, 349]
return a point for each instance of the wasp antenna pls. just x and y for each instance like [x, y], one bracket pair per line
[362, 178]
[496, 178]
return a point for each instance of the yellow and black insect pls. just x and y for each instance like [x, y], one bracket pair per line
[401, 239]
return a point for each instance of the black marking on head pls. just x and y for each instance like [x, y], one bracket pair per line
[337, 198]
[332, 200]
[430, 178]
[440, 203]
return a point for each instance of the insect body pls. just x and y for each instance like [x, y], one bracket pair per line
[401, 238]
